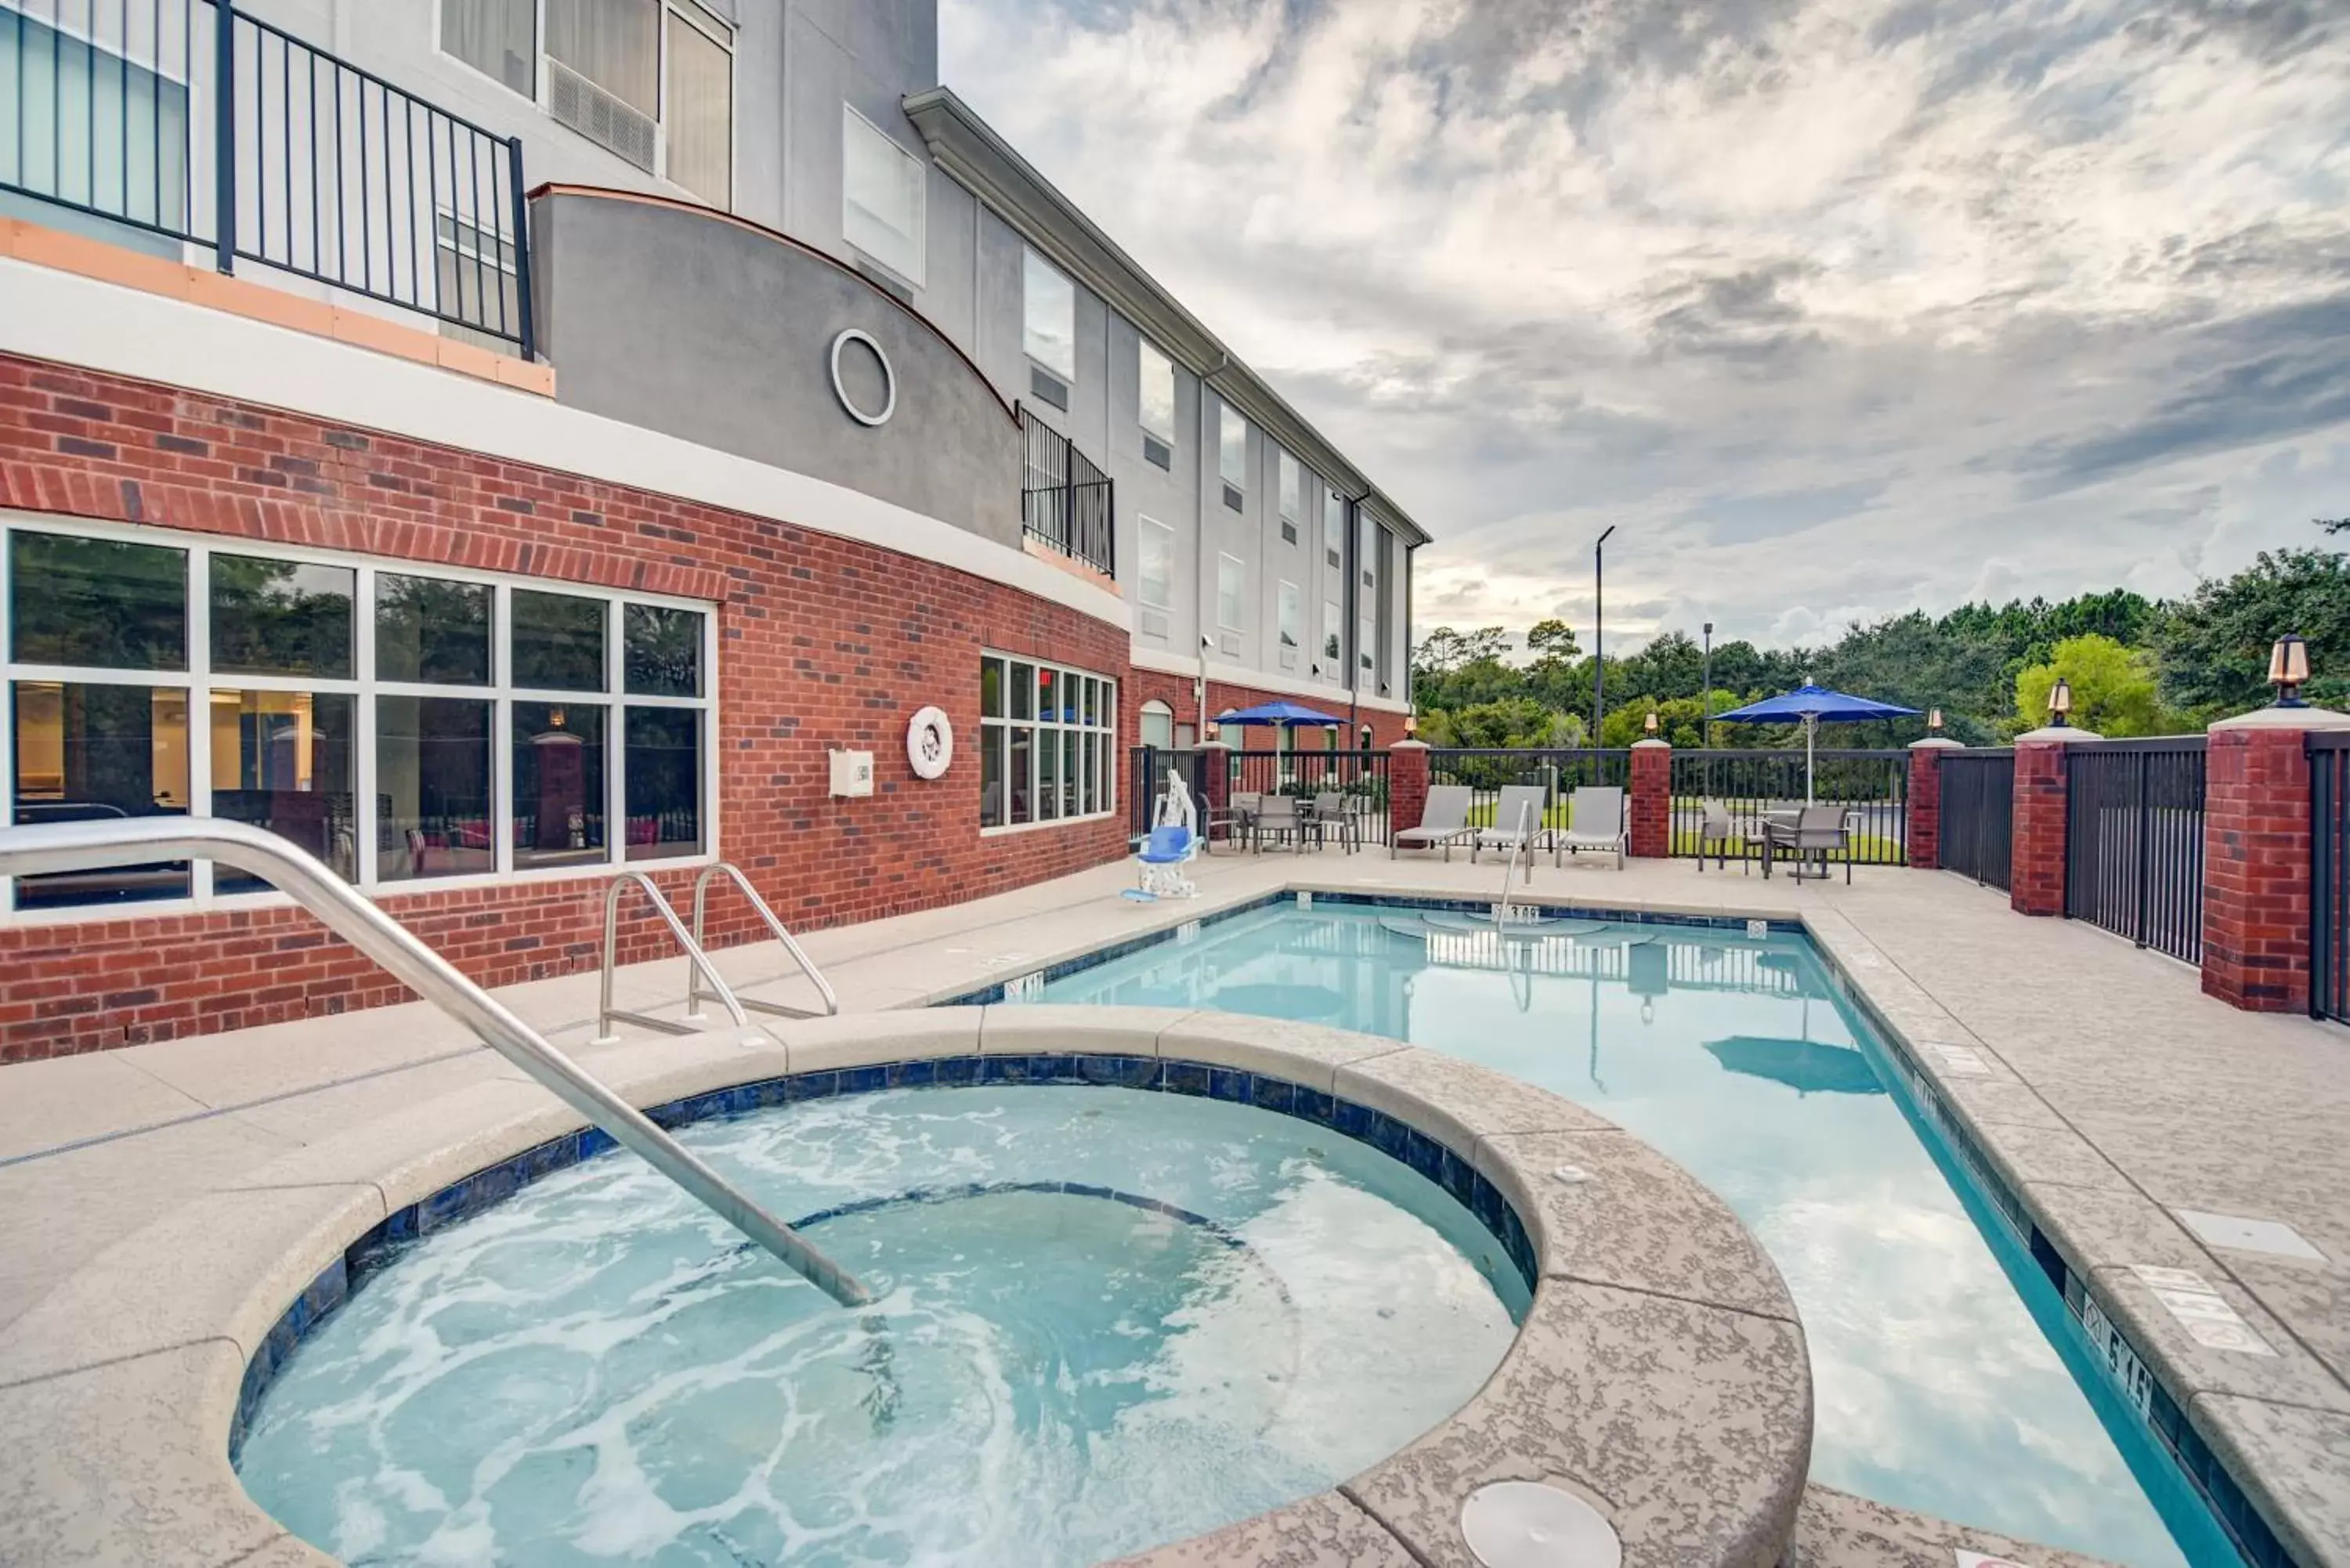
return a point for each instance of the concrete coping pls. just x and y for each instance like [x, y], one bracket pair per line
[1937, 743]
[2275, 718]
[2056, 735]
[1659, 1372]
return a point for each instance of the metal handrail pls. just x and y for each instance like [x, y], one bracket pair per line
[698, 965]
[97, 846]
[1509, 866]
[693, 992]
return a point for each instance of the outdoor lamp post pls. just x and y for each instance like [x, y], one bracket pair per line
[1934, 721]
[1649, 723]
[1705, 724]
[1598, 635]
[2059, 703]
[2289, 669]
[1410, 725]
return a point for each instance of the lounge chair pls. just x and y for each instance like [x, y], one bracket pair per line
[1443, 821]
[1816, 831]
[1517, 820]
[1714, 837]
[1595, 822]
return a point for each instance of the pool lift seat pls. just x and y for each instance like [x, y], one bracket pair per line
[1173, 843]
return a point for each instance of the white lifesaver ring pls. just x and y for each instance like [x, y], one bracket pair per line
[930, 743]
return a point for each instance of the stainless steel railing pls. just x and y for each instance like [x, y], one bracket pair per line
[693, 993]
[96, 846]
[698, 965]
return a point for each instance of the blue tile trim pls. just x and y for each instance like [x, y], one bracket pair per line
[1432, 1158]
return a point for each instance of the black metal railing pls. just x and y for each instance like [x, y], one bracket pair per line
[1358, 778]
[2329, 874]
[1872, 786]
[1487, 770]
[192, 124]
[2133, 840]
[1978, 815]
[1065, 502]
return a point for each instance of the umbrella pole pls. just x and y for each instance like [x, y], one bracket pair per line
[1811, 741]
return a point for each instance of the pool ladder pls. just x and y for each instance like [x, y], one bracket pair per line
[97, 846]
[703, 982]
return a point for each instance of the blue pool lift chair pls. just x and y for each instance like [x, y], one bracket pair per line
[1174, 840]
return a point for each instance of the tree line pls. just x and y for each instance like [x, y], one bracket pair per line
[2135, 667]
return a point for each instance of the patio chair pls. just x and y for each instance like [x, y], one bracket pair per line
[1443, 821]
[1594, 823]
[1234, 818]
[1278, 817]
[1335, 812]
[1517, 821]
[1816, 830]
[1714, 837]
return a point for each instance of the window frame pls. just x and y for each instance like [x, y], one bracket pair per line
[1143, 524]
[921, 239]
[1145, 351]
[1030, 259]
[1227, 461]
[199, 679]
[995, 730]
[1289, 615]
[1239, 596]
[1291, 487]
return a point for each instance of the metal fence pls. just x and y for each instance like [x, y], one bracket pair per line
[1359, 778]
[1487, 770]
[2133, 840]
[188, 122]
[1872, 786]
[1977, 815]
[1065, 502]
[2329, 866]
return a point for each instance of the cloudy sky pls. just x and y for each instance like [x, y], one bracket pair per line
[1837, 306]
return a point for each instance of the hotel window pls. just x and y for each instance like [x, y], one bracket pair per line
[1232, 588]
[87, 125]
[1155, 399]
[1334, 527]
[700, 148]
[1231, 453]
[1155, 586]
[401, 725]
[881, 197]
[498, 38]
[1332, 620]
[1292, 612]
[1048, 316]
[1158, 726]
[1293, 485]
[1366, 642]
[1047, 744]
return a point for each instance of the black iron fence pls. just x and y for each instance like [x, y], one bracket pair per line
[1358, 779]
[1487, 770]
[1872, 788]
[2133, 840]
[188, 122]
[1065, 502]
[1978, 815]
[2329, 865]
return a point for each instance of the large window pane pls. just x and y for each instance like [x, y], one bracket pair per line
[1052, 691]
[87, 125]
[1230, 590]
[1293, 616]
[496, 37]
[1048, 775]
[283, 761]
[992, 804]
[1157, 393]
[661, 651]
[1156, 584]
[701, 113]
[432, 630]
[90, 753]
[881, 197]
[615, 43]
[1024, 774]
[282, 617]
[1049, 317]
[558, 642]
[1330, 622]
[664, 781]
[1231, 446]
[432, 787]
[558, 784]
[1024, 690]
[991, 688]
[99, 602]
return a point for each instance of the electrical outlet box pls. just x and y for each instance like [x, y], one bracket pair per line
[852, 774]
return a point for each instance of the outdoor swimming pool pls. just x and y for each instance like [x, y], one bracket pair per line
[1941, 1356]
[1232, 1309]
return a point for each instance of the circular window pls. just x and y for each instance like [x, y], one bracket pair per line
[888, 379]
[930, 743]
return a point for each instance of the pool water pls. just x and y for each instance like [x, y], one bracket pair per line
[1940, 1353]
[596, 1371]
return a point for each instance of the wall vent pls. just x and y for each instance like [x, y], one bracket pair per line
[1153, 624]
[1289, 658]
[1048, 389]
[1158, 452]
[1230, 643]
[602, 118]
[1288, 532]
[1335, 561]
[1233, 498]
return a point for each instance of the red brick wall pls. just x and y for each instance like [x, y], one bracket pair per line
[2036, 885]
[2256, 870]
[1175, 690]
[1651, 822]
[1923, 830]
[823, 643]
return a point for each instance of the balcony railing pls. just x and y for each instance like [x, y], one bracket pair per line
[188, 122]
[1065, 501]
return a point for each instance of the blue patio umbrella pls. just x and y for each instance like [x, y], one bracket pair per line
[1814, 705]
[1279, 715]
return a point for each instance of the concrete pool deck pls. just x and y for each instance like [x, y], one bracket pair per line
[2134, 1117]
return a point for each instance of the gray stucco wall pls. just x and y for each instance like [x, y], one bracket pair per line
[683, 322]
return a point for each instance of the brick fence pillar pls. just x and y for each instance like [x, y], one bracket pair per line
[1652, 799]
[2256, 858]
[1407, 786]
[2036, 886]
[1921, 834]
[1216, 785]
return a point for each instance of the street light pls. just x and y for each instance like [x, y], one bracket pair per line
[2289, 669]
[1599, 637]
[1705, 725]
[2059, 704]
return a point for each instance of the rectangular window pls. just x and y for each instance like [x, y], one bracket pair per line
[1047, 744]
[1293, 616]
[1334, 526]
[1157, 393]
[87, 125]
[1231, 446]
[557, 642]
[282, 617]
[881, 197]
[498, 38]
[615, 43]
[1155, 585]
[664, 781]
[475, 281]
[432, 788]
[1367, 643]
[1293, 489]
[700, 109]
[1048, 316]
[102, 603]
[661, 651]
[558, 785]
[431, 630]
[1331, 621]
[1232, 587]
[89, 752]
[287, 761]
